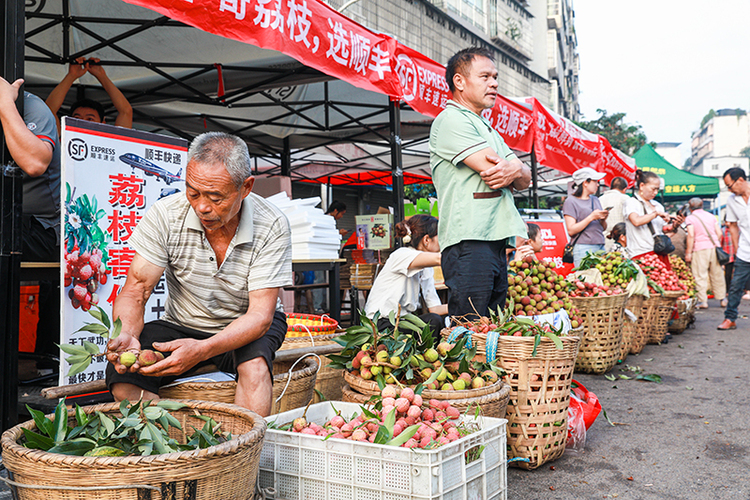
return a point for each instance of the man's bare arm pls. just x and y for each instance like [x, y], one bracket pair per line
[734, 233]
[123, 107]
[29, 152]
[498, 172]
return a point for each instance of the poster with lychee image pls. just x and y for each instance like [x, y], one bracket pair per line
[110, 178]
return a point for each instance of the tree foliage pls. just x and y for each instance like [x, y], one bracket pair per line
[414, 192]
[627, 138]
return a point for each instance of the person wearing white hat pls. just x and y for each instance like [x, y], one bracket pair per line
[584, 218]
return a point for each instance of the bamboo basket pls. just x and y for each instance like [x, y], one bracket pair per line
[539, 396]
[632, 335]
[601, 340]
[296, 394]
[685, 316]
[306, 325]
[227, 471]
[660, 320]
[329, 381]
[643, 325]
[492, 399]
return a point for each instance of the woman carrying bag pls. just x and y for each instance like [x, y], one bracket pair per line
[645, 220]
[584, 218]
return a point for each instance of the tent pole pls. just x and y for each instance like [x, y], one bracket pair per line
[534, 180]
[11, 194]
[286, 159]
[397, 170]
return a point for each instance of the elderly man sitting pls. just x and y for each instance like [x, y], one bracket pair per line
[226, 252]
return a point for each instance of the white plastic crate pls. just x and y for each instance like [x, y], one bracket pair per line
[305, 467]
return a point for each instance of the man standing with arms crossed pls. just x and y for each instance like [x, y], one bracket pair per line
[738, 220]
[473, 171]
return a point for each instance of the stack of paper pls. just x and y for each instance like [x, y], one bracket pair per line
[314, 234]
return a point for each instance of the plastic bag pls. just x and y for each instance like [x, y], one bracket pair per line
[590, 403]
[583, 409]
[576, 427]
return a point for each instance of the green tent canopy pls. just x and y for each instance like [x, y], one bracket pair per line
[678, 184]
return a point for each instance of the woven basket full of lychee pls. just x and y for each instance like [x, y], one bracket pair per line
[227, 470]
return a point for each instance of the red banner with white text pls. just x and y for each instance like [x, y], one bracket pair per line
[560, 144]
[307, 30]
[614, 163]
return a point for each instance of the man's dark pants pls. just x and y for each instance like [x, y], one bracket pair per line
[476, 273]
[162, 331]
[740, 281]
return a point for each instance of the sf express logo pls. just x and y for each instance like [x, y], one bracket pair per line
[407, 76]
[78, 149]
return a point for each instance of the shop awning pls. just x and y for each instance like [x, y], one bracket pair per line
[678, 184]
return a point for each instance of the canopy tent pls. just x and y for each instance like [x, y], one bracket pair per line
[678, 184]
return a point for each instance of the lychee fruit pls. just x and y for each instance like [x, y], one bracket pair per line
[127, 359]
[388, 391]
[408, 394]
[402, 405]
[147, 357]
[299, 423]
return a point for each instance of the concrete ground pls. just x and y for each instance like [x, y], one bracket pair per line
[687, 437]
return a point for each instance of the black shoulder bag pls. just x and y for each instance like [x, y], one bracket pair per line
[721, 255]
[662, 244]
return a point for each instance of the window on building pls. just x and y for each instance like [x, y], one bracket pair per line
[715, 166]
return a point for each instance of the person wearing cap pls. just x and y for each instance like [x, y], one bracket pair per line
[584, 218]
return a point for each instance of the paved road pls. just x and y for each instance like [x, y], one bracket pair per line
[685, 438]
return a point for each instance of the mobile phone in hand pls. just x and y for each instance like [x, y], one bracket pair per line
[609, 208]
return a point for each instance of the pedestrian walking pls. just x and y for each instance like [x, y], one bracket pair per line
[615, 199]
[738, 221]
[703, 237]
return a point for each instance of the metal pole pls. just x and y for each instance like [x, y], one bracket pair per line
[534, 180]
[11, 193]
[397, 166]
[286, 159]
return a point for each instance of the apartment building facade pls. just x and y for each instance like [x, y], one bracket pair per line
[717, 146]
[534, 42]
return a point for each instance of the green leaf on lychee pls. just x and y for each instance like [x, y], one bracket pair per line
[90, 347]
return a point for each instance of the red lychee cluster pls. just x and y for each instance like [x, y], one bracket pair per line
[434, 424]
[84, 272]
[587, 289]
[657, 271]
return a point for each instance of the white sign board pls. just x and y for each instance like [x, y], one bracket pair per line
[110, 177]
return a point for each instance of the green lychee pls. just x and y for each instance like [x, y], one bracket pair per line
[127, 359]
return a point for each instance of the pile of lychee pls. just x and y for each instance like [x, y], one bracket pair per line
[370, 361]
[144, 357]
[432, 424]
[535, 288]
[84, 272]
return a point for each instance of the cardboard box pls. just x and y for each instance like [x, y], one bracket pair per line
[374, 232]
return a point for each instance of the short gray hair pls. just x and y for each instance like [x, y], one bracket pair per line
[695, 203]
[219, 147]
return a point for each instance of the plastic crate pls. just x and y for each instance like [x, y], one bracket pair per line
[301, 466]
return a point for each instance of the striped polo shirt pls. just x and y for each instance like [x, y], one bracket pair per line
[202, 295]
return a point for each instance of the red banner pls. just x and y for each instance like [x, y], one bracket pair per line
[614, 163]
[560, 144]
[307, 30]
[321, 38]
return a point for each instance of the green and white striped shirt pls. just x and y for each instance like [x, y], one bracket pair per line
[201, 295]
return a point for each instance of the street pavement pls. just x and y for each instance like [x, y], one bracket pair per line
[687, 437]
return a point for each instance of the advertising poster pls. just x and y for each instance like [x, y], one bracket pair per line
[555, 237]
[110, 177]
